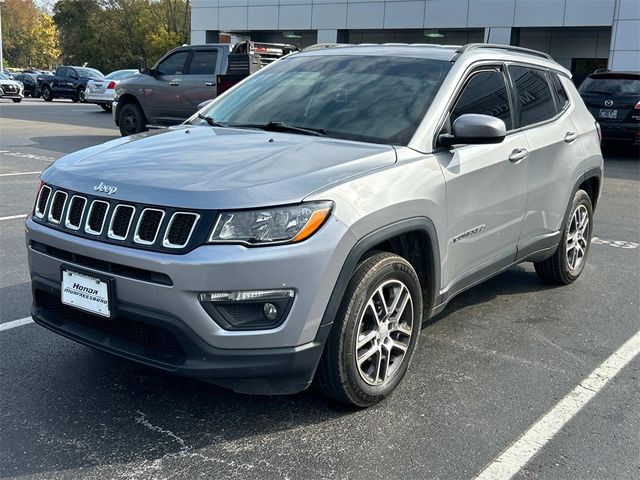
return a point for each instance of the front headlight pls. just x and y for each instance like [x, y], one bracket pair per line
[292, 223]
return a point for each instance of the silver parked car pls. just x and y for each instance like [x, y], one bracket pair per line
[12, 89]
[304, 224]
[103, 91]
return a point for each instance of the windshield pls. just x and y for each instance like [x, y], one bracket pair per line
[89, 72]
[611, 86]
[366, 98]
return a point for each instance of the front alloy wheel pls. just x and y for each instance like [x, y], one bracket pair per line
[384, 332]
[374, 333]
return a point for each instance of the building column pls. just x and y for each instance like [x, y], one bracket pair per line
[501, 35]
[327, 36]
[624, 53]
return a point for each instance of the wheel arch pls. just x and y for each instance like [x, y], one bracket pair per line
[400, 238]
[591, 182]
[126, 99]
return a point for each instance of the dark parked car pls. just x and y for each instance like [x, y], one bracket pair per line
[613, 98]
[67, 82]
[30, 81]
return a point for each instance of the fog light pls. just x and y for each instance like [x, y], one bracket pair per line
[249, 309]
[270, 311]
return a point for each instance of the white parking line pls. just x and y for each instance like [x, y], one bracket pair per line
[13, 217]
[15, 323]
[19, 173]
[509, 462]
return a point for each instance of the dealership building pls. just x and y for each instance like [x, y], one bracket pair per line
[582, 35]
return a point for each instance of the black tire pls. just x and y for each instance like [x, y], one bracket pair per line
[79, 96]
[16, 100]
[131, 120]
[47, 94]
[566, 265]
[338, 375]
[106, 107]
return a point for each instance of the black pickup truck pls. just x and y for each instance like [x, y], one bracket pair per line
[66, 82]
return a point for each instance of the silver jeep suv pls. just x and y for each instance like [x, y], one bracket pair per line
[302, 226]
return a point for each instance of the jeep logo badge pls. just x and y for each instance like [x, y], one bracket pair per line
[108, 189]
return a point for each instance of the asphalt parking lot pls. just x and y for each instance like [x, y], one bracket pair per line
[499, 358]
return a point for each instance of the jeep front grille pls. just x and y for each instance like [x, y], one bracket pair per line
[126, 223]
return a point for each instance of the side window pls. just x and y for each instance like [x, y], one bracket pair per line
[62, 72]
[534, 95]
[71, 73]
[561, 94]
[204, 62]
[484, 93]
[173, 65]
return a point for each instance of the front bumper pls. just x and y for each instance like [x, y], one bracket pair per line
[166, 326]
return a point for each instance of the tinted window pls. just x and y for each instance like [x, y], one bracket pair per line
[204, 62]
[611, 84]
[379, 99]
[484, 93]
[174, 65]
[561, 95]
[62, 71]
[534, 95]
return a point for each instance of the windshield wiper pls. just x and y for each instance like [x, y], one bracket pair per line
[282, 127]
[210, 121]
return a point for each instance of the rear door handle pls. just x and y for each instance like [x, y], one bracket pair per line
[518, 154]
[570, 137]
[174, 83]
[209, 84]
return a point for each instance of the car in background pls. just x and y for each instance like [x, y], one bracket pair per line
[11, 88]
[30, 82]
[171, 91]
[613, 98]
[102, 92]
[67, 82]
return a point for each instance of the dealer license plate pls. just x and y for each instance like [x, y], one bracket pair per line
[85, 293]
[606, 113]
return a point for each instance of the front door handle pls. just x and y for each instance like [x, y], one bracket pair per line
[570, 137]
[174, 83]
[209, 84]
[518, 154]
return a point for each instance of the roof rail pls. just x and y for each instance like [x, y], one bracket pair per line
[474, 46]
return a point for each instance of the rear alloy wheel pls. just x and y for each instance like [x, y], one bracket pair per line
[566, 265]
[47, 94]
[79, 95]
[374, 334]
[131, 120]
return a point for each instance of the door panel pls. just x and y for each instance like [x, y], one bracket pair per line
[486, 196]
[486, 185]
[163, 90]
[200, 83]
[554, 145]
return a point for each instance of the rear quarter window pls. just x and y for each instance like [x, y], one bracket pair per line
[561, 94]
[534, 96]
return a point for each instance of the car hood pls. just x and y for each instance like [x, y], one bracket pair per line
[216, 168]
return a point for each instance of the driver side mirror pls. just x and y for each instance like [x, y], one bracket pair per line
[474, 129]
[142, 66]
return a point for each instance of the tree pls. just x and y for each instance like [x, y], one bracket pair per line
[28, 34]
[113, 34]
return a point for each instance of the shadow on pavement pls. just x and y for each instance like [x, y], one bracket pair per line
[71, 143]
